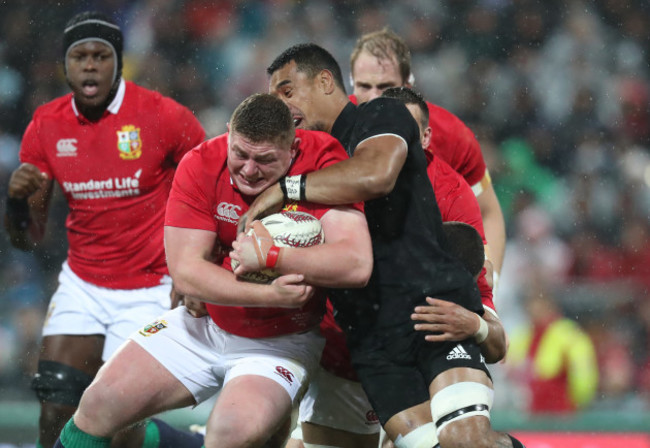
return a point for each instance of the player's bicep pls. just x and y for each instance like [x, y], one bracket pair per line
[184, 246]
[346, 225]
[382, 157]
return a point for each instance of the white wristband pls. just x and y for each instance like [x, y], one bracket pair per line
[292, 184]
[483, 330]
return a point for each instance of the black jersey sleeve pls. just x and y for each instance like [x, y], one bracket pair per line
[386, 116]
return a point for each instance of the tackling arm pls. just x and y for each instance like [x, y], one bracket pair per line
[369, 174]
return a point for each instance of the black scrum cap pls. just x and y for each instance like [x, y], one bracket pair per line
[94, 26]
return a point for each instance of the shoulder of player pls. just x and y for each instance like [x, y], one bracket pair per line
[210, 156]
[315, 139]
[54, 108]
[151, 98]
[440, 115]
[387, 114]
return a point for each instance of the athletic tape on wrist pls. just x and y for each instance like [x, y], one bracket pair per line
[483, 330]
[272, 256]
[292, 185]
[283, 186]
[303, 187]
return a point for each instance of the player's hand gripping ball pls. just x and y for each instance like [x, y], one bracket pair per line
[285, 229]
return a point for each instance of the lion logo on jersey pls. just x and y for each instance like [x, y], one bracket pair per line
[129, 142]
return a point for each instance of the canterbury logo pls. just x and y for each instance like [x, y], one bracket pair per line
[458, 352]
[228, 212]
[66, 147]
[284, 373]
[371, 418]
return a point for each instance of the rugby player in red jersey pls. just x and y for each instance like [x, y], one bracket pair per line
[259, 343]
[112, 147]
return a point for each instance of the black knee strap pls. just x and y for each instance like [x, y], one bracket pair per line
[59, 383]
[459, 412]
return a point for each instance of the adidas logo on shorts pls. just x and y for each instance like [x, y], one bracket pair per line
[458, 352]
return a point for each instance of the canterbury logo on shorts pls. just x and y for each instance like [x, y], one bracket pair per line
[372, 418]
[284, 373]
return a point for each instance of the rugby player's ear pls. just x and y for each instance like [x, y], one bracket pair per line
[326, 81]
[295, 146]
[426, 137]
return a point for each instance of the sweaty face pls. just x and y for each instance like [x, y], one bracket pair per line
[256, 166]
[300, 94]
[372, 76]
[90, 69]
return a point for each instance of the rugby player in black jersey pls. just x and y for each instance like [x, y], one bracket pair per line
[399, 370]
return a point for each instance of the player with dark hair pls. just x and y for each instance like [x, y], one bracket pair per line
[381, 60]
[112, 147]
[465, 244]
[399, 370]
[258, 343]
[335, 410]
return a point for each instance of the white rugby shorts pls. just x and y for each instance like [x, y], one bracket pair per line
[81, 308]
[204, 357]
[338, 403]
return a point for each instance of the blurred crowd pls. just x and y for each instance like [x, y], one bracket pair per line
[557, 92]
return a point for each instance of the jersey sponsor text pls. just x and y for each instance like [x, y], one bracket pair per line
[112, 187]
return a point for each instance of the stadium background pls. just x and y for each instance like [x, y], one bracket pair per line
[557, 93]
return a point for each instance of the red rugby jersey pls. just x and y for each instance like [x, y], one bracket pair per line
[458, 203]
[116, 174]
[456, 144]
[204, 197]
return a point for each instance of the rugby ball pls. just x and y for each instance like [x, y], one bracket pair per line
[288, 229]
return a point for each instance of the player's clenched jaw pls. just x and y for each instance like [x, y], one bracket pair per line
[90, 69]
[254, 166]
[300, 93]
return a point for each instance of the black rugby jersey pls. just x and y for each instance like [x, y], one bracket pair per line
[410, 262]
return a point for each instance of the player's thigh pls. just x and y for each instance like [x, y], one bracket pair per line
[319, 435]
[390, 387]
[337, 403]
[408, 420]
[460, 407]
[249, 407]
[131, 385]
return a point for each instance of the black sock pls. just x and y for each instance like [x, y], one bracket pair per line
[516, 443]
[175, 438]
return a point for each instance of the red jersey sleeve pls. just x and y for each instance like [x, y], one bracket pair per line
[189, 202]
[180, 129]
[456, 144]
[31, 150]
[457, 202]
